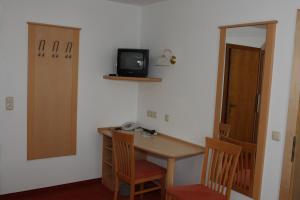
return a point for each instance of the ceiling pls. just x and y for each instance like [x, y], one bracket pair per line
[138, 2]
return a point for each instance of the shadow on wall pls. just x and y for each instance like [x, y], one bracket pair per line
[0, 167]
[192, 167]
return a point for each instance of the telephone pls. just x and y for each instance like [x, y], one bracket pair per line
[132, 126]
[129, 126]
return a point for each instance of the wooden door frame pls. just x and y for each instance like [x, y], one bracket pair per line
[265, 94]
[287, 168]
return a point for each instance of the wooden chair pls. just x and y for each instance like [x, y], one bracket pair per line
[224, 130]
[219, 165]
[133, 171]
[244, 177]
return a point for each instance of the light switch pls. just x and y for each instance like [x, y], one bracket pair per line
[276, 136]
[9, 103]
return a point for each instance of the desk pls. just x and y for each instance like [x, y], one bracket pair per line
[160, 145]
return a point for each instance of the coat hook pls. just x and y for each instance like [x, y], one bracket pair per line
[55, 49]
[71, 45]
[41, 47]
[68, 50]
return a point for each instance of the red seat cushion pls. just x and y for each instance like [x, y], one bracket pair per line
[145, 169]
[194, 192]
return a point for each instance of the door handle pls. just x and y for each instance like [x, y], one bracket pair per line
[230, 106]
[293, 149]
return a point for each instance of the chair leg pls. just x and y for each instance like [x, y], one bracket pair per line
[116, 188]
[169, 197]
[132, 191]
[163, 188]
[142, 188]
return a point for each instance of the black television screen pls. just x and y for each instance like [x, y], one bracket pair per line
[133, 62]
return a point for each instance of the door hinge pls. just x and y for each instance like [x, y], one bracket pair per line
[293, 149]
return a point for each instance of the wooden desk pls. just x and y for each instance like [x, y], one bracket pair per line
[161, 145]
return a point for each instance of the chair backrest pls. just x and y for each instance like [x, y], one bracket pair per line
[224, 130]
[123, 151]
[219, 165]
[244, 178]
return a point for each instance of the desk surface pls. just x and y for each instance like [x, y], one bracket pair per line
[161, 145]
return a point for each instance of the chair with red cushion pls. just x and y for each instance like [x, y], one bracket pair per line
[218, 169]
[133, 171]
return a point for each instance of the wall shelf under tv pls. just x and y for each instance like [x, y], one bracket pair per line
[139, 79]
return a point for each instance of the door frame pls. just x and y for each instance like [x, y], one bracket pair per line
[287, 168]
[265, 94]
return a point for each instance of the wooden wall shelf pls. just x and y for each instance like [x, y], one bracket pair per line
[139, 79]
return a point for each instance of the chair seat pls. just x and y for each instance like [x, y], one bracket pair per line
[145, 169]
[194, 192]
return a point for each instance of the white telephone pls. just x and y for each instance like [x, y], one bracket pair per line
[129, 126]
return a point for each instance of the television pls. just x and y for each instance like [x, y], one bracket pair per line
[133, 62]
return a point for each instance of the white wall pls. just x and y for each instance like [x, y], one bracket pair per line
[247, 36]
[105, 27]
[187, 92]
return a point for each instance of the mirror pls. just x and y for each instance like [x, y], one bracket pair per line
[242, 100]
[244, 58]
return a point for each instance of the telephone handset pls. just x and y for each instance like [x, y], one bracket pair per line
[132, 126]
[129, 126]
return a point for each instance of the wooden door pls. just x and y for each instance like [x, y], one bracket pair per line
[241, 91]
[290, 177]
[295, 157]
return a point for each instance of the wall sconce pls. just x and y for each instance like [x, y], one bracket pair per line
[167, 58]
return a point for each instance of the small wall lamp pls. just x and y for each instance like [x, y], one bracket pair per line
[167, 58]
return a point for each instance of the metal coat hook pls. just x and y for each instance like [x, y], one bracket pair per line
[71, 44]
[68, 50]
[55, 49]
[41, 48]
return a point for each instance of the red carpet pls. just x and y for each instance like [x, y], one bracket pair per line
[88, 190]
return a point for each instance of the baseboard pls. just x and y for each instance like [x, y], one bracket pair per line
[56, 187]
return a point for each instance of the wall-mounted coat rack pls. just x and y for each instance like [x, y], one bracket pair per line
[52, 90]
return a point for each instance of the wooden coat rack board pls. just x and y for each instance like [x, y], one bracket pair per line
[52, 90]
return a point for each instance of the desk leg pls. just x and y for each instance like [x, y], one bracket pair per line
[170, 172]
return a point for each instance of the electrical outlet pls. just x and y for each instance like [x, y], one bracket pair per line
[151, 114]
[154, 114]
[9, 103]
[167, 118]
[276, 136]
